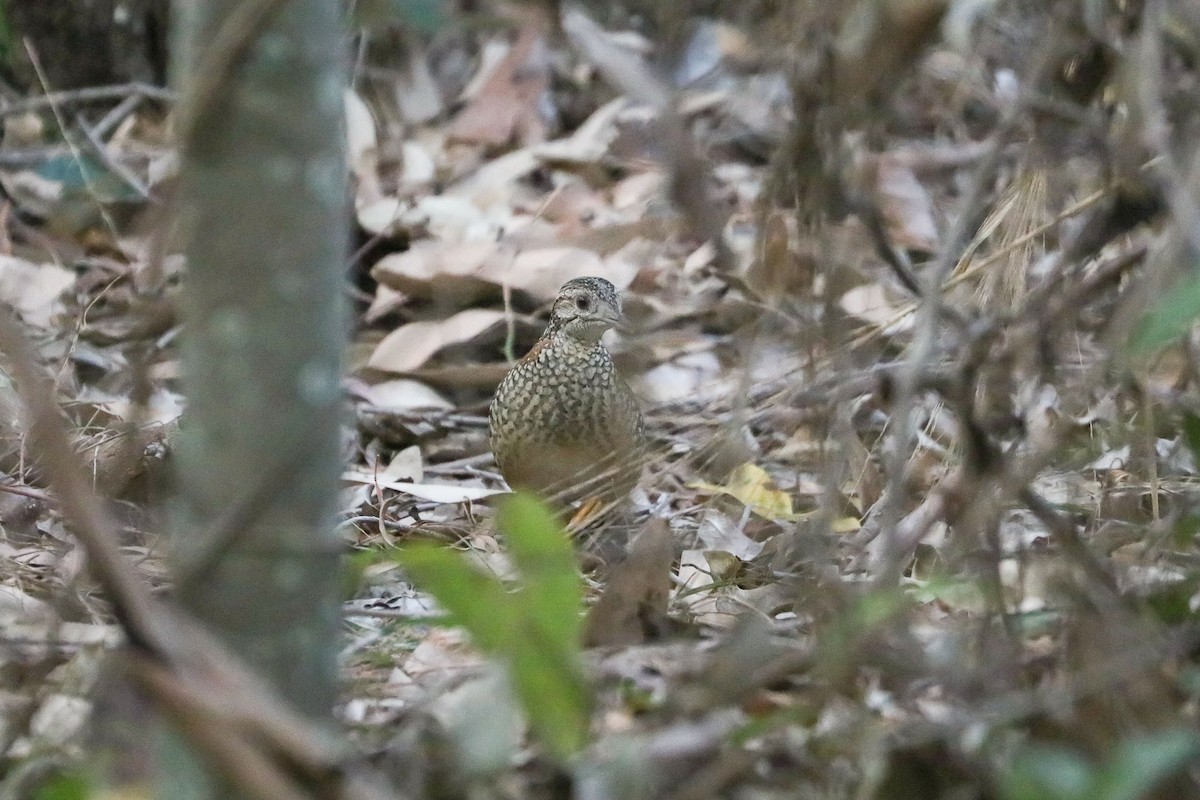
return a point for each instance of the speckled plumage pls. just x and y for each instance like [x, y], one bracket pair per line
[563, 422]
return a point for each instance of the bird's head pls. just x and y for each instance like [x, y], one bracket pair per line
[585, 308]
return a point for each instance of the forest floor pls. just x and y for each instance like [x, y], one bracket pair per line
[910, 303]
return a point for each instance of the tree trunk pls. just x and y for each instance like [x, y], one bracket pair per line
[263, 187]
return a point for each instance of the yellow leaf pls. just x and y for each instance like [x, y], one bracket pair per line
[846, 525]
[753, 487]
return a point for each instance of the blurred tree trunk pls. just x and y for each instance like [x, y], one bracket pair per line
[263, 187]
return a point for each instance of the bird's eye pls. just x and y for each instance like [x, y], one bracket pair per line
[583, 303]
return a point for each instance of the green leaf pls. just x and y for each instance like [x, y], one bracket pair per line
[874, 609]
[1044, 772]
[354, 568]
[553, 590]
[553, 691]
[71, 786]
[1185, 529]
[1169, 319]
[1141, 764]
[1054, 773]
[473, 600]
[546, 671]
[1172, 603]
[536, 630]
[1191, 434]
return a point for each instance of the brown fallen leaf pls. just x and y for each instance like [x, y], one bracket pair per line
[872, 304]
[33, 289]
[362, 149]
[719, 531]
[780, 269]
[463, 375]
[906, 206]
[505, 109]
[410, 346]
[402, 394]
[459, 274]
[633, 608]
[589, 143]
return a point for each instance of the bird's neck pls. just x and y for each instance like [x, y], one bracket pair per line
[585, 336]
[570, 342]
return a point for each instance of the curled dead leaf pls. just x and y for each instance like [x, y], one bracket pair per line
[402, 395]
[752, 485]
[906, 206]
[410, 346]
[33, 289]
[433, 492]
[464, 273]
[505, 108]
[720, 531]
[633, 608]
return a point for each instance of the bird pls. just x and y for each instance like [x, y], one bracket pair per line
[563, 422]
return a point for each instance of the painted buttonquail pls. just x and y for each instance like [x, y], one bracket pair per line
[563, 422]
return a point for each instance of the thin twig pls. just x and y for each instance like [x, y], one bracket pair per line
[26, 491]
[80, 504]
[91, 94]
[26, 157]
[116, 115]
[921, 350]
[89, 184]
[114, 166]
